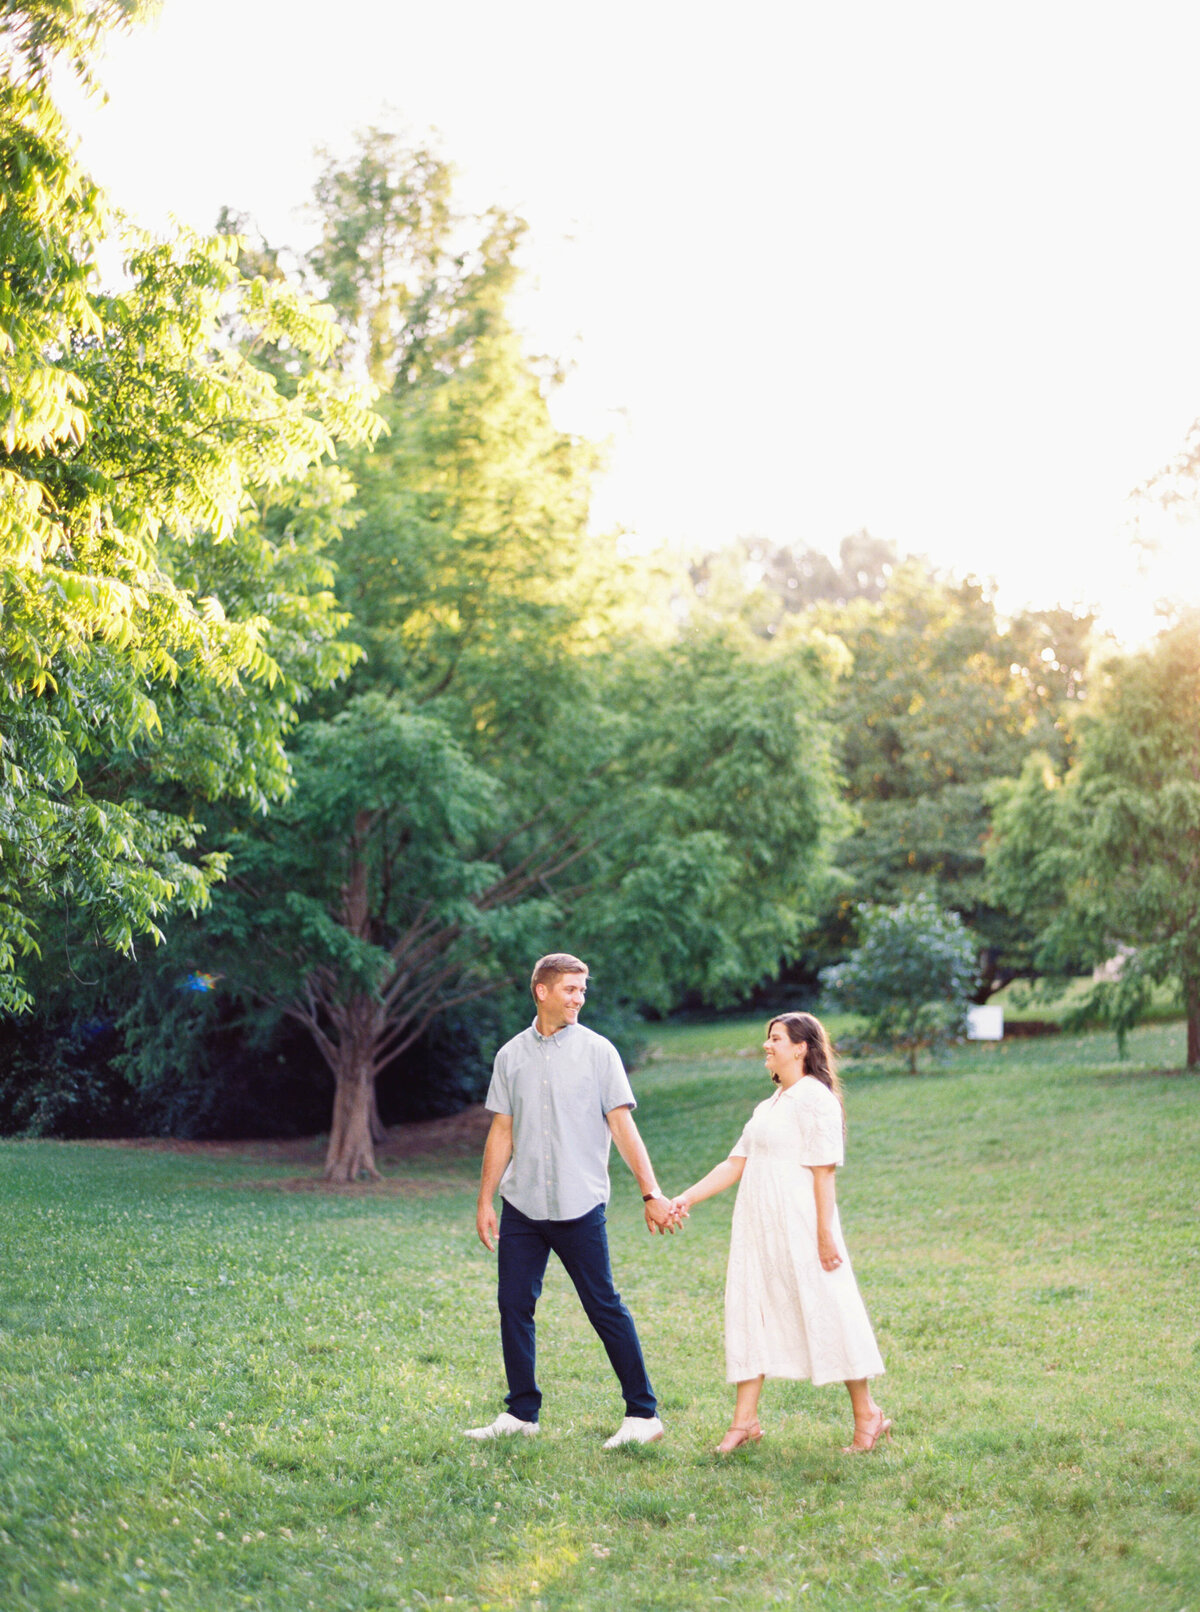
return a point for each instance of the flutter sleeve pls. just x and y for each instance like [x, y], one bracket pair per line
[739, 1150]
[821, 1140]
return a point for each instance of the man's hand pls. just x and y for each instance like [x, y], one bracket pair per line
[487, 1226]
[633, 1150]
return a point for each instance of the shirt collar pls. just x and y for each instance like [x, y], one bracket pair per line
[561, 1031]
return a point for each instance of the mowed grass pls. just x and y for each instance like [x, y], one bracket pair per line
[217, 1392]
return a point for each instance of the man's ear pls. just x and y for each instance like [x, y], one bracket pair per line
[540, 991]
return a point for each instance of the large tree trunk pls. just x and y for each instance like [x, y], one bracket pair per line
[378, 1128]
[351, 1136]
[351, 1150]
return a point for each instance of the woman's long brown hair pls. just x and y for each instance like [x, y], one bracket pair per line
[819, 1060]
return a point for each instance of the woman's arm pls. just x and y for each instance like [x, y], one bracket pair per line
[826, 1195]
[726, 1174]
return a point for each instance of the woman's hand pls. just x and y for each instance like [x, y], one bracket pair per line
[827, 1252]
[824, 1193]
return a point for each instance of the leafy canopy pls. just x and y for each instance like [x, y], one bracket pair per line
[160, 612]
[1107, 854]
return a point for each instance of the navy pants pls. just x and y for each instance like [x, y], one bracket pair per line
[582, 1246]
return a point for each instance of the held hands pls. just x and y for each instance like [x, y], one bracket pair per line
[665, 1214]
[662, 1215]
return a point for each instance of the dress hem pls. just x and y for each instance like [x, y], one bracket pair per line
[805, 1377]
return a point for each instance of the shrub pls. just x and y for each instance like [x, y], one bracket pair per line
[910, 977]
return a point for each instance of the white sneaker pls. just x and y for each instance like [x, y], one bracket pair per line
[502, 1427]
[636, 1430]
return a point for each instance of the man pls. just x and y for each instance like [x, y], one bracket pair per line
[559, 1095]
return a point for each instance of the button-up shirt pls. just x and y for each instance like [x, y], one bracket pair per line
[558, 1089]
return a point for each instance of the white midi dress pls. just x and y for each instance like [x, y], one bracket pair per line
[784, 1315]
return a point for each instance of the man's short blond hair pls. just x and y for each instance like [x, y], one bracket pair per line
[547, 969]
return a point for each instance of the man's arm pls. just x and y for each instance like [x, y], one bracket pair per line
[497, 1151]
[633, 1150]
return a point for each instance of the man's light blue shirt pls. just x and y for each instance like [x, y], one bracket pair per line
[558, 1089]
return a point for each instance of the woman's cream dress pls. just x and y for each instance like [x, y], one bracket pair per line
[784, 1315]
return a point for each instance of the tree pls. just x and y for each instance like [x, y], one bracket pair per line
[376, 898]
[472, 576]
[910, 976]
[164, 605]
[509, 763]
[386, 238]
[942, 703]
[1107, 854]
[724, 788]
[685, 849]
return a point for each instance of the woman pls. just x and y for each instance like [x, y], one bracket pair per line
[792, 1308]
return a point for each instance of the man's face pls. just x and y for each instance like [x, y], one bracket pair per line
[559, 1003]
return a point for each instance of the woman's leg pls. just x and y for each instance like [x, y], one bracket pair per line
[745, 1416]
[869, 1420]
[745, 1405]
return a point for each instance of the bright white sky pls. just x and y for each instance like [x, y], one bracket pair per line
[930, 268]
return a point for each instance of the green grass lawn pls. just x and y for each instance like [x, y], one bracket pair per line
[219, 1392]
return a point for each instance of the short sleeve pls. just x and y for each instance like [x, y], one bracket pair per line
[821, 1140]
[615, 1090]
[740, 1150]
[499, 1097]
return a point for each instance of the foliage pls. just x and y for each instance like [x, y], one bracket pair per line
[185, 1338]
[1107, 855]
[910, 977]
[725, 817]
[511, 764]
[472, 577]
[39, 33]
[175, 1045]
[157, 1059]
[386, 223]
[940, 701]
[684, 847]
[943, 702]
[165, 603]
[372, 883]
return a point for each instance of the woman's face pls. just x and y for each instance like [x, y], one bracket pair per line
[781, 1051]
